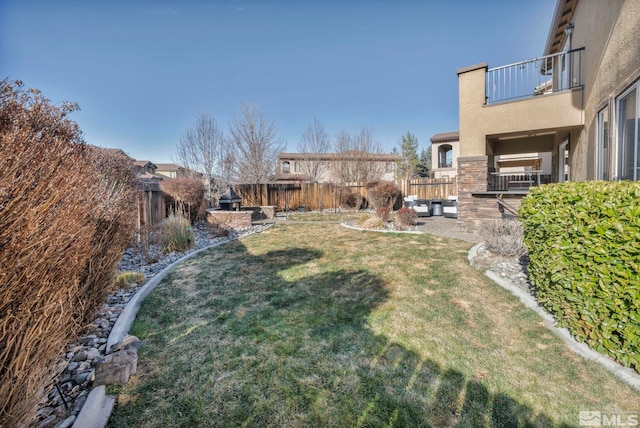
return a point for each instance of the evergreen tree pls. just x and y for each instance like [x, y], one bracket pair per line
[407, 167]
[423, 168]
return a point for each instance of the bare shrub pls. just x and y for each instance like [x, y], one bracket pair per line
[352, 200]
[64, 224]
[503, 237]
[406, 216]
[146, 240]
[187, 194]
[384, 194]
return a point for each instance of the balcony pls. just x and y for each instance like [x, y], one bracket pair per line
[535, 77]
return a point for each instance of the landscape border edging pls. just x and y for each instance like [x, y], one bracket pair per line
[349, 226]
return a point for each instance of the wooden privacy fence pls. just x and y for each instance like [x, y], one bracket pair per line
[429, 188]
[314, 196]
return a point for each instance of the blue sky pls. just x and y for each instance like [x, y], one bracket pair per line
[142, 71]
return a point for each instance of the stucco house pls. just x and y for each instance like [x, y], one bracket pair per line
[445, 149]
[578, 103]
[170, 170]
[337, 167]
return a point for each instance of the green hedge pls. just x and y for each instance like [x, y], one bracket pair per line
[584, 249]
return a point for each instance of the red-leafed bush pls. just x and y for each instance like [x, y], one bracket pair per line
[406, 216]
[383, 213]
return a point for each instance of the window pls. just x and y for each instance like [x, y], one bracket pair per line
[286, 167]
[603, 145]
[628, 134]
[296, 166]
[388, 167]
[445, 156]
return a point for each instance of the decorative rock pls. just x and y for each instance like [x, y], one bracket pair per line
[80, 356]
[92, 354]
[66, 423]
[129, 342]
[88, 339]
[48, 421]
[116, 368]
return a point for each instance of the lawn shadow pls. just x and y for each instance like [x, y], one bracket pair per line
[301, 353]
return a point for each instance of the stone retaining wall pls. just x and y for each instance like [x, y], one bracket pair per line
[230, 219]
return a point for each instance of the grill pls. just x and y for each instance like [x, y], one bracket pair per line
[230, 201]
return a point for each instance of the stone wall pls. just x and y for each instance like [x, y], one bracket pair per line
[230, 219]
[473, 174]
[268, 212]
[475, 204]
[483, 207]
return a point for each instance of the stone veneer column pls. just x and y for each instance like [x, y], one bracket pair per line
[473, 174]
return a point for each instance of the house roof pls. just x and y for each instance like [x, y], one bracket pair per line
[446, 137]
[167, 167]
[143, 163]
[352, 154]
[561, 19]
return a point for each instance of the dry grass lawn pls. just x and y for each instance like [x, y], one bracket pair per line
[318, 325]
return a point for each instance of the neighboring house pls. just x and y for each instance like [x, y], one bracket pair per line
[445, 149]
[141, 167]
[578, 104]
[337, 167]
[170, 170]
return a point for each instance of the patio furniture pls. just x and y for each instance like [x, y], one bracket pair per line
[423, 207]
[450, 207]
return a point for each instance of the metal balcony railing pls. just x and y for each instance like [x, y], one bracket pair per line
[534, 77]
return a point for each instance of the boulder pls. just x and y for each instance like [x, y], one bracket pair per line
[116, 367]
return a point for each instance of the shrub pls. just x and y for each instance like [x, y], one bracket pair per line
[406, 216]
[351, 200]
[67, 211]
[384, 194]
[584, 250]
[503, 237]
[176, 234]
[147, 240]
[383, 213]
[187, 194]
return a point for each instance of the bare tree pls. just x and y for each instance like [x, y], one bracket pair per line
[255, 146]
[357, 157]
[202, 151]
[313, 146]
